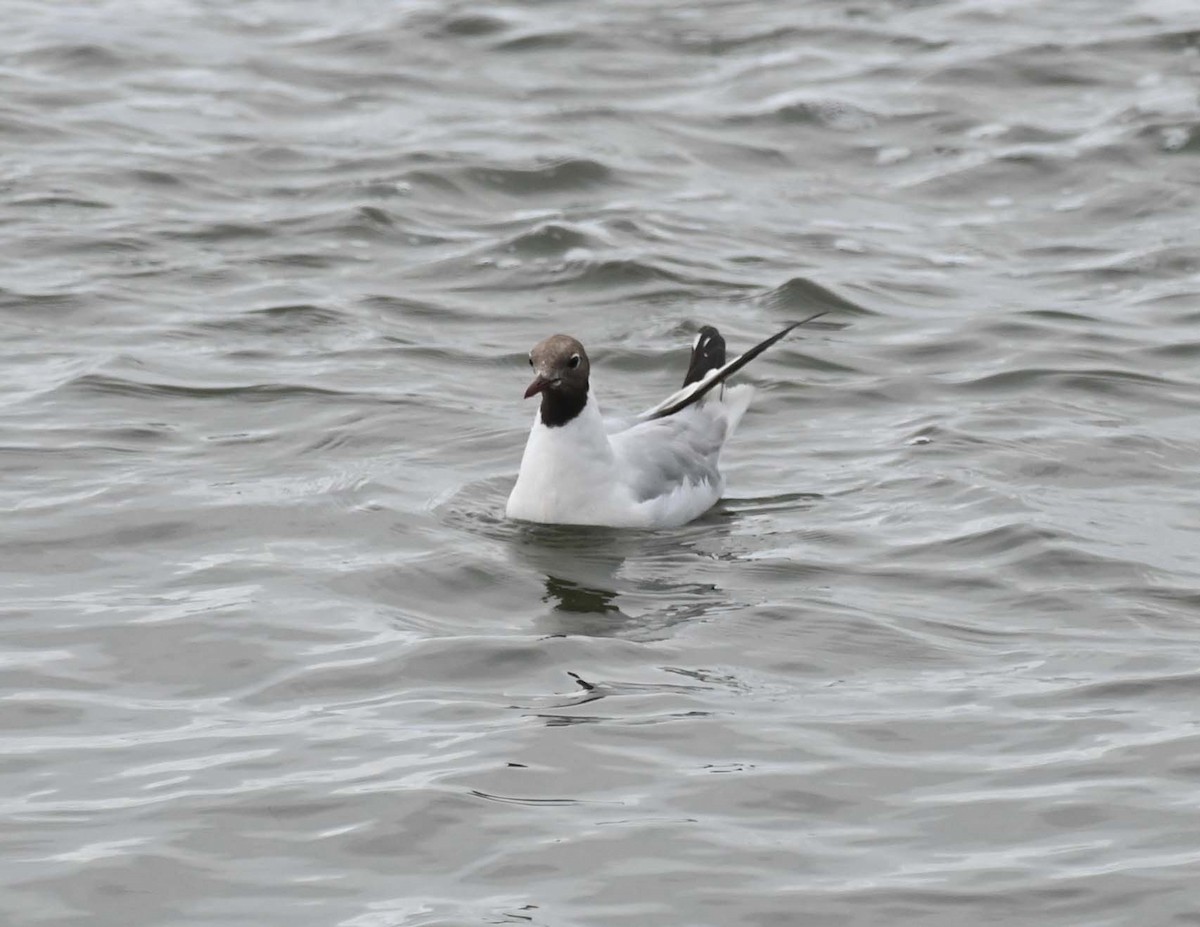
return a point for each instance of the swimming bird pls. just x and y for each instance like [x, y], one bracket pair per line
[658, 470]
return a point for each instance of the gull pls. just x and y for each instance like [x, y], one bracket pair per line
[658, 470]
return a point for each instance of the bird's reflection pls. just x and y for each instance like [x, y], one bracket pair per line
[605, 582]
[570, 596]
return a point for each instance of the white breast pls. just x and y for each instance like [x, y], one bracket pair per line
[567, 473]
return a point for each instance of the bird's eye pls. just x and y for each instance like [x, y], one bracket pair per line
[531, 362]
[573, 362]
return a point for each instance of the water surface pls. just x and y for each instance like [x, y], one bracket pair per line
[268, 276]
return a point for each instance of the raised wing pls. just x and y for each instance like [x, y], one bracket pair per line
[694, 392]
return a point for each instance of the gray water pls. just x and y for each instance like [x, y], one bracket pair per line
[271, 654]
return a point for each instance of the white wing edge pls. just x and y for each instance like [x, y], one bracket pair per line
[687, 391]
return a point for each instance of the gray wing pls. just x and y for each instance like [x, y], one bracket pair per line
[659, 455]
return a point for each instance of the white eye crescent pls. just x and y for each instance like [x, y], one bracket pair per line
[573, 362]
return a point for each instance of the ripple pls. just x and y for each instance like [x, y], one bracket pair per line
[471, 25]
[101, 384]
[1110, 381]
[833, 114]
[538, 40]
[296, 320]
[61, 200]
[80, 58]
[799, 294]
[548, 240]
[558, 175]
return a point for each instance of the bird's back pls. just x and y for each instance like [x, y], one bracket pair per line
[672, 464]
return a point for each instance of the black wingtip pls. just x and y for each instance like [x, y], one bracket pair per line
[708, 353]
[733, 367]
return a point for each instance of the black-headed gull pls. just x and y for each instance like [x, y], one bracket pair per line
[658, 471]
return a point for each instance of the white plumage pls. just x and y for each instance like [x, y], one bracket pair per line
[655, 473]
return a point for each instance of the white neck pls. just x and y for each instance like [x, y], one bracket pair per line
[563, 467]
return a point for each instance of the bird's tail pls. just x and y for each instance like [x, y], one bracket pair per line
[735, 400]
